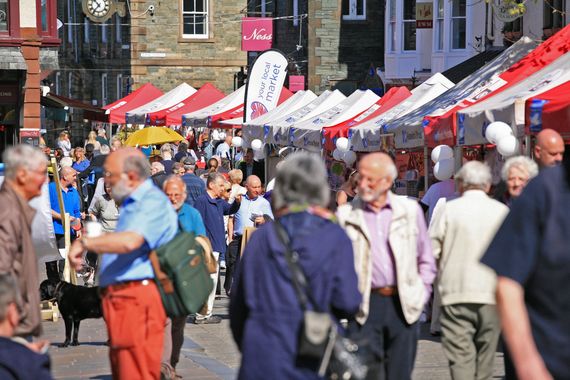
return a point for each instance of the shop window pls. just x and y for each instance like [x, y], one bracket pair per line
[119, 86]
[46, 14]
[409, 24]
[4, 9]
[9, 18]
[439, 25]
[104, 93]
[195, 18]
[553, 17]
[392, 26]
[354, 9]
[458, 24]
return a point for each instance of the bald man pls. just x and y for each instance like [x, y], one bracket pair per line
[549, 148]
[395, 266]
[72, 206]
[132, 306]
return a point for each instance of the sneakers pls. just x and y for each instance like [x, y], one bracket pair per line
[223, 264]
[210, 320]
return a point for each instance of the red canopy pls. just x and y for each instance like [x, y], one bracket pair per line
[206, 95]
[116, 111]
[543, 55]
[555, 112]
[238, 112]
[394, 96]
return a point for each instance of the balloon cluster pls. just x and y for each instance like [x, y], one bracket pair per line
[442, 157]
[258, 152]
[501, 134]
[237, 141]
[343, 152]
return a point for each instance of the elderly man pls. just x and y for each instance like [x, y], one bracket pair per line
[530, 255]
[213, 208]
[24, 174]
[72, 206]
[131, 302]
[549, 148]
[460, 234]
[395, 267]
[157, 174]
[251, 167]
[195, 187]
[253, 211]
[190, 221]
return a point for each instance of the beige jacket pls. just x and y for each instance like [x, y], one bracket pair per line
[403, 242]
[460, 233]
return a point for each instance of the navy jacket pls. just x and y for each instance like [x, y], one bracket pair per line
[264, 310]
[195, 187]
[18, 362]
[212, 212]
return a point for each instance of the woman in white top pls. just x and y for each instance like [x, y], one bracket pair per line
[64, 143]
[92, 139]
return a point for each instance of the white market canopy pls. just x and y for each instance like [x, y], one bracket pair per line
[200, 117]
[509, 105]
[172, 97]
[279, 129]
[307, 134]
[366, 137]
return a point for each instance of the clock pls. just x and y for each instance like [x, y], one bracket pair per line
[98, 10]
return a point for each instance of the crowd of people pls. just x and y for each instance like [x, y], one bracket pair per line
[488, 258]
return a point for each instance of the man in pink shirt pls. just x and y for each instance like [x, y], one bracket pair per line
[395, 267]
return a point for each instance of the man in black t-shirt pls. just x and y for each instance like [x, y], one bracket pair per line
[531, 257]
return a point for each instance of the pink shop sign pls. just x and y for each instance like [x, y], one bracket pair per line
[256, 33]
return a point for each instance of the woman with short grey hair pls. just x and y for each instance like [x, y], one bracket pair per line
[516, 173]
[262, 290]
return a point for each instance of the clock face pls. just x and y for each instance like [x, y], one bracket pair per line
[98, 8]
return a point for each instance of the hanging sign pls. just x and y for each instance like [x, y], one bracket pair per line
[256, 33]
[424, 15]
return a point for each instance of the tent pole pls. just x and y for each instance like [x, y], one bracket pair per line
[426, 169]
[458, 156]
[527, 142]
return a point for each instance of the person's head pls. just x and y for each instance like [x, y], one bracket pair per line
[215, 184]
[105, 149]
[353, 181]
[549, 148]
[175, 189]
[212, 165]
[101, 132]
[25, 168]
[125, 170]
[92, 136]
[226, 164]
[67, 176]
[66, 161]
[474, 175]
[63, 136]
[301, 180]
[516, 172]
[377, 173]
[227, 190]
[178, 169]
[236, 176]
[228, 139]
[166, 151]
[9, 313]
[79, 154]
[189, 164]
[253, 186]
[89, 148]
[183, 147]
[156, 167]
[248, 158]
[116, 143]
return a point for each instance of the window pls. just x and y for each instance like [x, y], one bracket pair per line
[58, 83]
[104, 26]
[392, 26]
[409, 23]
[458, 24]
[119, 86]
[104, 93]
[195, 18]
[354, 9]
[70, 84]
[118, 30]
[553, 14]
[86, 30]
[4, 16]
[439, 25]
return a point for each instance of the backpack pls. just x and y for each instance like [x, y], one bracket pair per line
[182, 269]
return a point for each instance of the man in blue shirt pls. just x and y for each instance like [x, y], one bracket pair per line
[132, 306]
[195, 186]
[213, 208]
[72, 206]
[253, 211]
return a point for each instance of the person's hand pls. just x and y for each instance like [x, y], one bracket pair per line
[76, 255]
[40, 346]
[78, 233]
[259, 220]
[238, 198]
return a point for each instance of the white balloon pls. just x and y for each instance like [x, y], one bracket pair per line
[508, 146]
[256, 144]
[342, 144]
[237, 141]
[496, 130]
[258, 155]
[337, 155]
[349, 157]
[444, 169]
[222, 135]
[441, 152]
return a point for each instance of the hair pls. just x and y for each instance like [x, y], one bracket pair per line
[188, 165]
[92, 137]
[66, 162]
[8, 293]
[212, 167]
[474, 175]
[178, 168]
[301, 180]
[213, 177]
[182, 147]
[101, 132]
[62, 135]
[521, 162]
[22, 156]
[174, 178]
[158, 165]
[226, 163]
[137, 164]
[236, 176]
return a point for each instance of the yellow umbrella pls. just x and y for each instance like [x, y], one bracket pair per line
[153, 136]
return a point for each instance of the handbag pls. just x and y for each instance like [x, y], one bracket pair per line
[182, 269]
[318, 336]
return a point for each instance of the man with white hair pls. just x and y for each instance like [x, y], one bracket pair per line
[460, 233]
[395, 267]
[157, 174]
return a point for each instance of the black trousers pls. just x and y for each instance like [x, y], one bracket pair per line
[232, 259]
[389, 341]
[54, 269]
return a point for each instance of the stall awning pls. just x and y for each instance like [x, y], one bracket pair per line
[462, 70]
[57, 101]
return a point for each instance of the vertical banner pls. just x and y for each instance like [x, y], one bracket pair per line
[256, 33]
[264, 84]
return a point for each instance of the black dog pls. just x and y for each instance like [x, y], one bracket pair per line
[75, 303]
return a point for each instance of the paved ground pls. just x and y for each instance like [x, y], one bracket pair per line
[208, 352]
